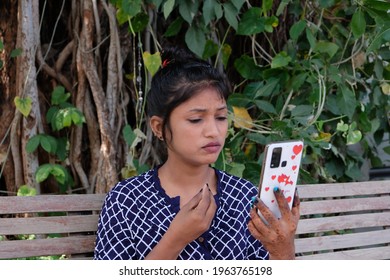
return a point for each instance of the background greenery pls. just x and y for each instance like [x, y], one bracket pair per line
[314, 70]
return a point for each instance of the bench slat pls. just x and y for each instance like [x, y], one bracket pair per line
[343, 222]
[350, 240]
[54, 224]
[345, 205]
[51, 203]
[47, 247]
[344, 189]
[378, 253]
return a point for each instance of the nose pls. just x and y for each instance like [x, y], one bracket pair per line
[212, 128]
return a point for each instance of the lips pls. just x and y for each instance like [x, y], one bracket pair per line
[212, 147]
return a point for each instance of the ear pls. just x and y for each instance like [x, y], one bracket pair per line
[156, 124]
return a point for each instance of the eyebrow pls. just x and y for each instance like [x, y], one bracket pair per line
[205, 110]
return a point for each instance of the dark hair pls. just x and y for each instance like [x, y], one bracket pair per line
[181, 77]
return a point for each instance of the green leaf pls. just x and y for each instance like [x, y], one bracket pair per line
[168, 8]
[48, 143]
[280, 60]
[310, 38]
[24, 105]
[131, 7]
[218, 11]
[302, 111]
[77, 116]
[267, 5]
[297, 29]
[346, 101]
[59, 96]
[139, 22]
[231, 15]
[67, 117]
[267, 89]
[62, 148]
[26, 190]
[226, 52]
[208, 10]
[174, 28]
[122, 17]
[59, 173]
[283, 4]
[129, 135]
[376, 43]
[353, 137]
[251, 23]
[341, 126]
[247, 68]
[387, 150]
[358, 23]
[196, 40]
[210, 49]
[236, 169]
[43, 172]
[15, 53]
[326, 47]
[265, 106]
[33, 143]
[152, 62]
[188, 10]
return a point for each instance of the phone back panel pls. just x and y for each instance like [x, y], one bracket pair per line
[283, 174]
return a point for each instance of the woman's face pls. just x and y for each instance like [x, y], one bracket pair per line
[199, 128]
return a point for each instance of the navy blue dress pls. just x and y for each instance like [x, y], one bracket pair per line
[137, 212]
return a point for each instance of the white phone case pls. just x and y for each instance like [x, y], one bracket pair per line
[281, 173]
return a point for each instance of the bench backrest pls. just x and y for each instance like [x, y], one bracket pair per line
[338, 221]
[71, 218]
[344, 221]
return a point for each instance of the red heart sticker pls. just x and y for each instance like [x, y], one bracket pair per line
[294, 167]
[297, 149]
[289, 199]
[267, 189]
[293, 156]
[273, 177]
[273, 200]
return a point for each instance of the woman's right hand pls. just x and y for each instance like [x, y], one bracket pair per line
[193, 219]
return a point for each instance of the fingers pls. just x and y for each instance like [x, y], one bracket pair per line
[194, 202]
[282, 202]
[295, 211]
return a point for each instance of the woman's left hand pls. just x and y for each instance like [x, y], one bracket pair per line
[278, 235]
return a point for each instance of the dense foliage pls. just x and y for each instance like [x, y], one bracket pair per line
[316, 70]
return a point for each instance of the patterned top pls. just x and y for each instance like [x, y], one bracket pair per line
[137, 212]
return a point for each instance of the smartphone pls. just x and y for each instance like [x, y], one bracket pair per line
[280, 169]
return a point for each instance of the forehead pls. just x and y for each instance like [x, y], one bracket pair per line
[207, 99]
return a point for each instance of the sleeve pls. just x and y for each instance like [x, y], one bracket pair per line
[114, 239]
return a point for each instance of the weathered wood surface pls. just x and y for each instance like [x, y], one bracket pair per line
[72, 218]
[344, 221]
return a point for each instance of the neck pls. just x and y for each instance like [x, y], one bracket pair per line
[182, 180]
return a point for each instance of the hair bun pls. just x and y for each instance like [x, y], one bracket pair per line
[173, 54]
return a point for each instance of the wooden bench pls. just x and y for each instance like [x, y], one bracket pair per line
[72, 219]
[344, 221]
[339, 221]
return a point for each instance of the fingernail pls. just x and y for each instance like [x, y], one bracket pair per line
[254, 201]
[276, 189]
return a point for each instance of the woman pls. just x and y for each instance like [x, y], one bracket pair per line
[184, 208]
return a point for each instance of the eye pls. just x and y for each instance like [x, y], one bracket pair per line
[194, 120]
[222, 118]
